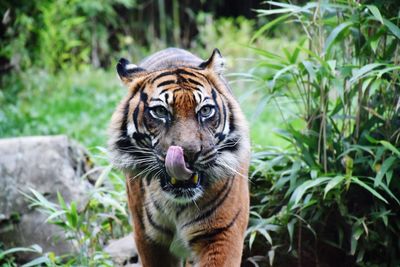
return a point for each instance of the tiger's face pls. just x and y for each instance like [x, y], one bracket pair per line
[177, 126]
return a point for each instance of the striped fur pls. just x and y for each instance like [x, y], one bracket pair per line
[175, 98]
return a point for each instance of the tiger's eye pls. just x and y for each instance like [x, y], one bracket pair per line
[206, 111]
[160, 111]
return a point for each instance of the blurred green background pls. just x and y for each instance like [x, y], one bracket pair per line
[58, 59]
[318, 82]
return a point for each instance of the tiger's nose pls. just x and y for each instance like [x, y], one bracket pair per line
[191, 152]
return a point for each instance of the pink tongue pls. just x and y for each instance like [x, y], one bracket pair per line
[175, 164]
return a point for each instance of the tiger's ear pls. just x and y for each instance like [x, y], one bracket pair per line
[128, 71]
[216, 62]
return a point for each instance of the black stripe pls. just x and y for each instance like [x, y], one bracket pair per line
[143, 97]
[224, 111]
[208, 151]
[124, 143]
[156, 204]
[200, 96]
[156, 226]
[125, 117]
[231, 119]
[164, 90]
[142, 191]
[211, 234]
[135, 117]
[211, 210]
[231, 144]
[163, 74]
[220, 136]
[166, 83]
[181, 209]
[228, 182]
[195, 82]
[185, 72]
[210, 157]
[139, 217]
[214, 96]
[156, 143]
[142, 139]
[155, 100]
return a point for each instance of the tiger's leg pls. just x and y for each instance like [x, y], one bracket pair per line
[222, 245]
[220, 254]
[222, 250]
[154, 255]
[150, 253]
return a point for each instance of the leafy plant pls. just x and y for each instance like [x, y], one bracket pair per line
[87, 226]
[333, 197]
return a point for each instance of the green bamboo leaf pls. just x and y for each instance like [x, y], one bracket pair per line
[268, 26]
[384, 169]
[390, 147]
[357, 232]
[357, 74]
[385, 70]
[73, 215]
[334, 34]
[297, 50]
[392, 27]
[61, 201]
[271, 256]
[284, 8]
[279, 73]
[368, 188]
[290, 227]
[300, 191]
[37, 262]
[252, 238]
[266, 235]
[310, 69]
[103, 175]
[390, 193]
[375, 11]
[332, 184]
[261, 106]
[34, 248]
[265, 53]
[55, 215]
[38, 200]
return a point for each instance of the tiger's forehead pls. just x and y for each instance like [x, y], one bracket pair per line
[179, 83]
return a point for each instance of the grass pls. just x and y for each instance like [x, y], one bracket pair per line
[78, 104]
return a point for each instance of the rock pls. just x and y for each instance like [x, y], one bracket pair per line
[123, 251]
[47, 164]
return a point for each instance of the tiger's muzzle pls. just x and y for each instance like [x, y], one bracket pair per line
[178, 170]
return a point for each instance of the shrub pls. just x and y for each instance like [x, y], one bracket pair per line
[333, 196]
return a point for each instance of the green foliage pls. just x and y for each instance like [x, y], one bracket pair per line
[88, 226]
[58, 34]
[78, 104]
[332, 194]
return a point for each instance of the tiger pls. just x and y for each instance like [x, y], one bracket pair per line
[182, 142]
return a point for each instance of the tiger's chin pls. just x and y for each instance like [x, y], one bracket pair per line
[183, 191]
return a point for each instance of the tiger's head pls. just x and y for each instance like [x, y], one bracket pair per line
[179, 125]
